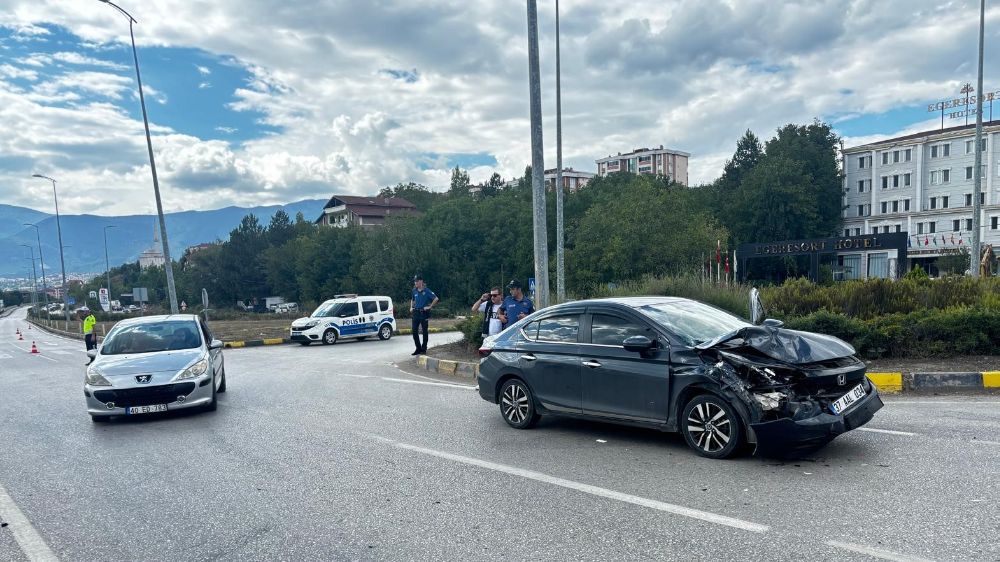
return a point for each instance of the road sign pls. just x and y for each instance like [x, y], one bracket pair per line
[70, 300]
[140, 294]
[105, 300]
[531, 284]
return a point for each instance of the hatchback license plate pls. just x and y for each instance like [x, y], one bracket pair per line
[848, 400]
[147, 409]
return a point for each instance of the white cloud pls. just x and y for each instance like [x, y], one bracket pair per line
[79, 59]
[689, 75]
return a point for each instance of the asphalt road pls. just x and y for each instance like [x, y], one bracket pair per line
[334, 453]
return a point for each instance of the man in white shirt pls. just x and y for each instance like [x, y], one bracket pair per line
[491, 306]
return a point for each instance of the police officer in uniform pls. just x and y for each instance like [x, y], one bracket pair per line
[421, 303]
[516, 304]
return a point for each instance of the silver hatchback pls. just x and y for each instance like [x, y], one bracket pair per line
[154, 364]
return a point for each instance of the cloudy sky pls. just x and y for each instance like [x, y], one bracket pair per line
[269, 101]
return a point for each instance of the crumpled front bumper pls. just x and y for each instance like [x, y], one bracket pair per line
[787, 437]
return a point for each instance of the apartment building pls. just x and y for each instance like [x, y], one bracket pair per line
[572, 179]
[922, 184]
[660, 161]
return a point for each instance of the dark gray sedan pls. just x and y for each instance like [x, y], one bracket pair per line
[678, 365]
[154, 364]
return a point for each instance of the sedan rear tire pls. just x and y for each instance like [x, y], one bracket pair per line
[712, 427]
[517, 405]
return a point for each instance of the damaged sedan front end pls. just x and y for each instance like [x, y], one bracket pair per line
[799, 390]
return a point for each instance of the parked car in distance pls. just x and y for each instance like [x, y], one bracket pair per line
[346, 316]
[286, 308]
[679, 365]
[154, 364]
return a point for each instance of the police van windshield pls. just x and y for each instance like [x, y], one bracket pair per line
[327, 310]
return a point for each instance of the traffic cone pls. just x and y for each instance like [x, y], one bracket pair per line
[20, 337]
[34, 349]
[18, 333]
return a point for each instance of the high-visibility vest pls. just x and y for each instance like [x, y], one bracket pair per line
[88, 324]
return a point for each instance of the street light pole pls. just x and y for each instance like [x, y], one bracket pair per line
[168, 266]
[107, 264]
[560, 236]
[34, 279]
[977, 189]
[62, 259]
[45, 289]
[537, 162]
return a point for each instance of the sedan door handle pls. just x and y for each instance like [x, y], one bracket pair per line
[591, 364]
[528, 357]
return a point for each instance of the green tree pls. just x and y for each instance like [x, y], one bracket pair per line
[778, 202]
[749, 153]
[814, 147]
[459, 182]
[493, 185]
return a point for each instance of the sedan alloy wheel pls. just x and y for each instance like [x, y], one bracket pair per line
[711, 427]
[517, 405]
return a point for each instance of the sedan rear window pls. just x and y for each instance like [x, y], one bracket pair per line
[152, 337]
[559, 329]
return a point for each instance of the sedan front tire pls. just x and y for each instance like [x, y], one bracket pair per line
[712, 427]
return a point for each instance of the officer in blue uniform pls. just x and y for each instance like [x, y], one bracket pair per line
[421, 303]
[516, 304]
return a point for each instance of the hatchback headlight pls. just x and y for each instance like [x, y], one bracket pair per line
[95, 378]
[197, 369]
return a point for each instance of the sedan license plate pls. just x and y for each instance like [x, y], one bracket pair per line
[146, 409]
[848, 400]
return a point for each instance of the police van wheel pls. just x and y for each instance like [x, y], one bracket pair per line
[385, 332]
[330, 337]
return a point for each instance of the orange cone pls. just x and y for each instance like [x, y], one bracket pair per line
[18, 333]
[34, 349]
[20, 337]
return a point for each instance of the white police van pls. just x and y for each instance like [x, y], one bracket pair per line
[346, 316]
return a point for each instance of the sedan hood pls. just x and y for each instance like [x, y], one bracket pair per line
[789, 346]
[164, 361]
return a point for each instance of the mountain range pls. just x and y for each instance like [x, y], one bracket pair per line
[83, 235]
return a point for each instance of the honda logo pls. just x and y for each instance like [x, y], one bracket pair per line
[841, 380]
[144, 379]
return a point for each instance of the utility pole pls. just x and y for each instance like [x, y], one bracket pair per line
[977, 189]
[107, 263]
[537, 163]
[560, 235]
[62, 259]
[45, 289]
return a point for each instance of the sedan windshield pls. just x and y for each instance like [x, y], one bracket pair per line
[152, 337]
[693, 322]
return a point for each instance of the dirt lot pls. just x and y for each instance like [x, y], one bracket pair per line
[267, 326]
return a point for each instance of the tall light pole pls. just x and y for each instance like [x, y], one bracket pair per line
[45, 289]
[976, 206]
[560, 236]
[62, 259]
[168, 266]
[107, 264]
[537, 162]
[34, 279]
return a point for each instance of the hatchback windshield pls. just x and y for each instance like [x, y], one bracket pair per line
[152, 337]
[327, 309]
[693, 321]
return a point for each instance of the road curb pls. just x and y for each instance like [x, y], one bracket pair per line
[256, 343]
[916, 382]
[461, 369]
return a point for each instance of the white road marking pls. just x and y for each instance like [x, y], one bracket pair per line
[876, 552]
[60, 352]
[986, 442]
[27, 537]
[888, 431]
[589, 489]
[5, 356]
[465, 386]
[355, 376]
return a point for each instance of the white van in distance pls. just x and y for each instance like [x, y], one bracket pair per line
[346, 316]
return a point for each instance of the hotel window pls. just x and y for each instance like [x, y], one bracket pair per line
[941, 150]
[906, 180]
[885, 157]
[933, 202]
[857, 231]
[906, 204]
[932, 227]
[885, 182]
[920, 228]
[861, 210]
[944, 202]
[968, 225]
[954, 225]
[895, 206]
[895, 181]
[993, 223]
[968, 199]
[982, 197]
[899, 228]
[884, 210]
[861, 162]
[907, 155]
[895, 156]
[847, 231]
[878, 265]
[970, 143]
[874, 230]
[885, 230]
[861, 186]
[968, 171]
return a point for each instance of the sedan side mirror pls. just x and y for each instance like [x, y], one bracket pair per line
[756, 307]
[773, 323]
[216, 344]
[639, 344]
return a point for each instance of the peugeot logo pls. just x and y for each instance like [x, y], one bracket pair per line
[143, 379]
[841, 380]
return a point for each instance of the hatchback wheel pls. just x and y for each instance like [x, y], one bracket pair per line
[517, 405]
[214, 404]
[385, 332]
[330, 337]
[711, 427]
[222, 385]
